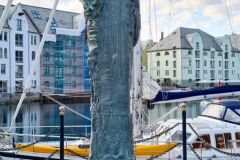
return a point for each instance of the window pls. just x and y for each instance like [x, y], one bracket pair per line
[19, 71]
[189, 52]
[167, 72]
[36, 14]
[212, 64]
[233, 64]
[205, 63]
[74, 71]
[197, 63]
[46, 84]
[205, 53]
[233, 54]
[166, 62]
[158, 72]
[219, 71]
[35, 40]
[46, 70]
[177, 136]
[19, 86]
[174, 64]
[174, 54]
[19, 40]
[33, 55]
[34, 83]
[212, 55]
[5, 37]
[212, 72]
[197, 73]
[19, 56]
[190, 62]
[5, 53]
[74, 84]
[226, 74]
[223, 140]
[219, 63]
[226, 64]
[197, 54]
[75, 58]
[53, 23]
[1, 53]
[231, 116]
[31, 39]
[197, 45]
[3, 86]
[158, 63]
[1, 36]
[59, 72]
[174, 73]
[158, 54]
[219, 53]
[3, 68]
[19, 25]
[189, 71]
[237, 134]
[226, 47]
[46, 56]
[166, 53]
[198, 143]
[226, 55]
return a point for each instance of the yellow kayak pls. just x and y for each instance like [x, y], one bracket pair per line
[140, 150]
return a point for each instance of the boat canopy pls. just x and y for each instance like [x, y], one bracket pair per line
[228, 111]
[201, 94]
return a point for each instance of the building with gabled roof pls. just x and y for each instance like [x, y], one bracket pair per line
[62, 68]
[189, 55]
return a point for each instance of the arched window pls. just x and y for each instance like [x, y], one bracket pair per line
[33, 55]
[158, 54]
[5, 53]
[166, 53]
[1, 53]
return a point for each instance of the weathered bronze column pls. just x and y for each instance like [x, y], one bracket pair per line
[112, 31]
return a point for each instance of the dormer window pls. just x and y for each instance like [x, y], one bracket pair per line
[36, 15]
[158, 54]
[197, 45]
[19, 25]
[226, 47]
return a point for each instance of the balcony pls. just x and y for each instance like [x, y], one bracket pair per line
[59, 62]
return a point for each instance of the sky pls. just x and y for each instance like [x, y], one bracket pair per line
[167, 15]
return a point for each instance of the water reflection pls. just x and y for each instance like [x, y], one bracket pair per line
[33, 115]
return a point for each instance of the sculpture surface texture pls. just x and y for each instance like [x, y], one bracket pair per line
[112, 32]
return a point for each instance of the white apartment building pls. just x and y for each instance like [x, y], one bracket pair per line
[18, 44]
[188, 55]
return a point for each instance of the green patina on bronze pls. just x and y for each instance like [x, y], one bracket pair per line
[112, 30]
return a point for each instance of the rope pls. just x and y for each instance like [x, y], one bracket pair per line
[157, 135]
[75, 154]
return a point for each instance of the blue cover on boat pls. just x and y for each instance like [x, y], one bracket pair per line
[166, 95]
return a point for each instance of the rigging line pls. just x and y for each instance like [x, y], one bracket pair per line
[225, 3]
[149, 19]
[231, 12]
[68, 108]
[5, 14]
[155, 17]
[37, 58]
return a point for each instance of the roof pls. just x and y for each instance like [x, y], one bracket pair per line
[182, 38]
[235, 39]
[63, 19]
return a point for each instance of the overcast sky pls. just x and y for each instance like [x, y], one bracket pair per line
[208, 15]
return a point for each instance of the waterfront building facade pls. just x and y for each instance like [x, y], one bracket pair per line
[189, 55]
[61, 68]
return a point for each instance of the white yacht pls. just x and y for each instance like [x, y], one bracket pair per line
[215, 134]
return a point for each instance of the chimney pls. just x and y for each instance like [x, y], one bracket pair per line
[162, 36]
